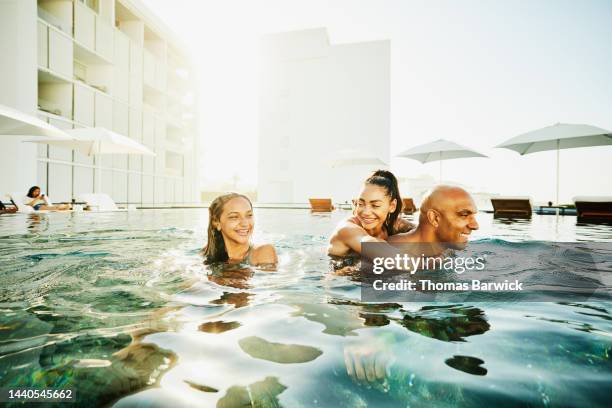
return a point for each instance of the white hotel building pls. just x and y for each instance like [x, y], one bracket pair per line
[98, 63]
[316, 100]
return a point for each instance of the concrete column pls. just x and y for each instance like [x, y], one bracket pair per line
[18, 89]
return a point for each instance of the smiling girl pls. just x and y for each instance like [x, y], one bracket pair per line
[375, 216]
[230, 227]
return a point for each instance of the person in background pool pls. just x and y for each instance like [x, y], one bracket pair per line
[230, 227]
[39, 201]
[376, 216]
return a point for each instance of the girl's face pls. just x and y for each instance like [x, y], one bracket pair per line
[373, 206]
[236, 222]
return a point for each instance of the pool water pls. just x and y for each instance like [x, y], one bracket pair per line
[119, 307]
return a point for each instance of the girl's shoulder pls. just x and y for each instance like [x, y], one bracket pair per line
[263, 254]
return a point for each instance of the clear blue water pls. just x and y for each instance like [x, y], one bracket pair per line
[120, 307]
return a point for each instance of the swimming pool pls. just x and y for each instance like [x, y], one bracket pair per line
[119, 307]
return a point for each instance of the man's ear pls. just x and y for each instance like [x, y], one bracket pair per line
[433, 217]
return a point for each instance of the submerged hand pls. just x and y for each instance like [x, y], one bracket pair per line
[368, 362]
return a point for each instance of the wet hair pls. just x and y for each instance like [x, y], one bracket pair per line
[215, 250]
[31, 191]
[386, 180]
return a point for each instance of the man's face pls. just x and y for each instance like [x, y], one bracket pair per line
[457, 220]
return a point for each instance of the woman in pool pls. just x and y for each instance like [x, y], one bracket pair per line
[39, 201]
[230, 227]
[375, 216]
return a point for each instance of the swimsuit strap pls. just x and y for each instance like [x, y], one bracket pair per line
[247, 257]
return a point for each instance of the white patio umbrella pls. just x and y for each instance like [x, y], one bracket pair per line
[557, 137]
[353, 157]
[91, 141]
[439, 150]
[14, 122]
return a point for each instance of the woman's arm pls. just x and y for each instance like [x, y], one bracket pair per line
[352, 236]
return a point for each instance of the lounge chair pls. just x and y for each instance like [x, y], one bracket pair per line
[23, 208]
[18, 196]
[594, 208]
[98, 202]
[408, 206]
[511, 207]
[8, 210]
[554, 210]
[321, 205]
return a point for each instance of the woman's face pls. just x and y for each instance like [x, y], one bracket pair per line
[236, 221]
[373, 206]
[36, 192]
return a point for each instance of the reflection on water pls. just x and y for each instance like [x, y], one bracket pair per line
[262, 349]
[237, 299]
[259, 394]
[218, 327]
[467, 364]
[233, 277]
[447, 323]
[120, 307]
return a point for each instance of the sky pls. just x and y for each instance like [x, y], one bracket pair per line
[475, 72]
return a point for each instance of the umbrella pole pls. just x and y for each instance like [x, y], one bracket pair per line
[558, 141]
[98, 175]
[440, 174]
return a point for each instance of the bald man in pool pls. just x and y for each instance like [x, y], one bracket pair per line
[447, 218]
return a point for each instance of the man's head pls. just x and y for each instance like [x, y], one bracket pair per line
[450, 214]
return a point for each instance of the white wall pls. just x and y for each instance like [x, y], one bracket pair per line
[317, 99]
[18, 89]
[26, 43]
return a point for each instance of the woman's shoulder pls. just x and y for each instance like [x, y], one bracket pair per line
[263, 248]
[263, 254]
[345, 230]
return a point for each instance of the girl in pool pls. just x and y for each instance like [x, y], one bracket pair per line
[230, 227]
[39, 201]
[375, 216]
